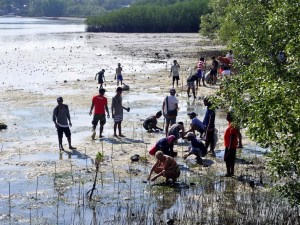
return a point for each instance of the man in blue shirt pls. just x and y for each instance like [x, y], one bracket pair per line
[196, 124]
[196, 148]
[209, 126]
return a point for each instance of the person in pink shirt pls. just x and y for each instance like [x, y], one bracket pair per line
[99, 104]
[200, 71]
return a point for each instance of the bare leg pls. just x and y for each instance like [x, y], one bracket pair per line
[69, 142]
[101, 130]
[188, 92]
[167, 127]
[115, 129]
[194, 93]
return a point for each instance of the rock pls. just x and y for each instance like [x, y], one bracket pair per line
[125, 87]
[65, 81]
[3, 126]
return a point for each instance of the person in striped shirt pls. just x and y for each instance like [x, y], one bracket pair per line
[200, 71]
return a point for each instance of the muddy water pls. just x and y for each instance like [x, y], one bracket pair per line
[43, 59]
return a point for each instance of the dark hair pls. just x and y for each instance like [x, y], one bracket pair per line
[119, 89]
[180, 123]
[102, 90]
[103, 70]
[213, 57]
[202, 59]
[159, 113]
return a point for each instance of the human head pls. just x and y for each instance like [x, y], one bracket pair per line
[213, 58]
[230, 51]
[192, 115]
[158, 114]
[159, 155]
[119, 90]
[206, 101]
[119, 64]
[171, 139]
[59, 100]
[172, 91]
[103, 70]
[181, 124]
[175, 61]
[229, 116]
[102, 91]
[202, 59]
[190, 135]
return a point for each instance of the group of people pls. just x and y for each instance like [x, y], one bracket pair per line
[163, 150]
[118, 76]
[221, 65]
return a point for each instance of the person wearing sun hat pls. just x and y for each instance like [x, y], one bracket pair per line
[196, 148]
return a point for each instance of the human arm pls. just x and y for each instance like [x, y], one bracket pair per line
[54, 116]
[92, 106]
[152, 169]
[96, 75]
[68, 115]
[107, 111]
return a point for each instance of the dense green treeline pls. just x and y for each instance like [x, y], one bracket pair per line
[57, 8]
[182, 16]
[265, 93]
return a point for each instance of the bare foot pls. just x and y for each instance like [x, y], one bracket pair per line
[116, 136]
[72, 148]
[121, 135]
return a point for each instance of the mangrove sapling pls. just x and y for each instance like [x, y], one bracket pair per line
[99, 158]
[36, 189]
[9, 200]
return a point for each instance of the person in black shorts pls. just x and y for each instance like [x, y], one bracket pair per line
[62, 120]
[101, 78]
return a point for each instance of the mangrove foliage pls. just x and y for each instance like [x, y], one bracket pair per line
[265, 92]
[158, 16]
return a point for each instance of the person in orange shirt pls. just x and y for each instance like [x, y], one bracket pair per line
[230, 143]
[100, 104]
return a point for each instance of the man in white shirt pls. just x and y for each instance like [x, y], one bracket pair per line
[170, 108]
[175, 72]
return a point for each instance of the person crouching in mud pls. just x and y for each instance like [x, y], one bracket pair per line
[196, 148]
[165, 145]
[165, 166]
[150, 124]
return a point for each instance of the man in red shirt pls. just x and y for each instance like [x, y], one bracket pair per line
[231, 143]
[100, 104]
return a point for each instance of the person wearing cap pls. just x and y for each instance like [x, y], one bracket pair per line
[196, 124]
[117, 112]
[165, 166]
[230, 142]
[209, 126]
[150, 123]
[166, 145]
[62, 120]
[196, 148]
[119, 76]
[99, 104]
[170, 108]
[101, 78]
[175, 72]
[177, 130]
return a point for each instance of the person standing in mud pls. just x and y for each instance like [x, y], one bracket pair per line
[62, 120]
[209, 126]
[101, 78]
[214, 70]
[169, 108]
[230, 143]
[117, 112]
[119, 75]
[200, 72]
[100, 104]
[175, 72]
